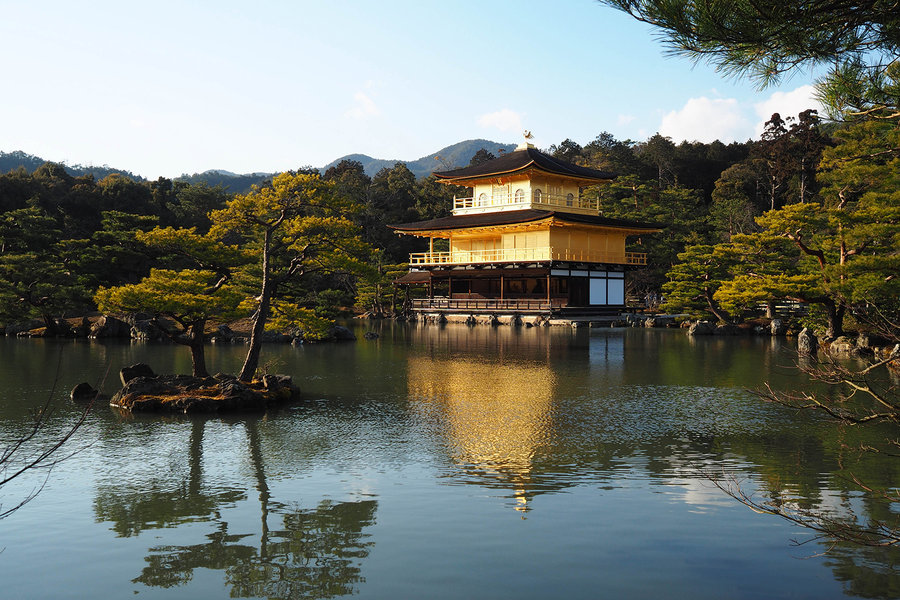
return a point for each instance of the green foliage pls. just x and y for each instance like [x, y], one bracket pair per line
[732, 210]
[189, 205]
[26, 229]
[762, 268]
[435, 200]
[694, 279]
[328, 302]
[763, 40]
[28, 163]
[392, 196]
[567, 151]
[187, 247]
[790, 149]
[376, 292]
[230, 183]
[606, 153]
[841, 253]
[112, 255]
[308, 323]
[190, 297]
[34, 280]
[82, 234]
[481, 156]
[38, 285]
[861, 189]
[679, 210]
[295, 227]
[187, 296]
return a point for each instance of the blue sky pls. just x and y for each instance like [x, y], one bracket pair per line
[180, 87]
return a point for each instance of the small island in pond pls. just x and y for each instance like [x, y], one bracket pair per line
[145, 391]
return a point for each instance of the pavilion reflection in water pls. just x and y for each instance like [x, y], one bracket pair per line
[495, 416]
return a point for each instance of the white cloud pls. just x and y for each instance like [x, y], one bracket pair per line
[504, 120]
[705, 120]
[365, 107]
[787, 104]
[624, 119]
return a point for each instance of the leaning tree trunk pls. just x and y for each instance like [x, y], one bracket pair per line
[251, 362]
[714, 307]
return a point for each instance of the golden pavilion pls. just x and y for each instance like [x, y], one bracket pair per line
[524, 241]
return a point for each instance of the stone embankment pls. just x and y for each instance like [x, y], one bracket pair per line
[808, 343]
[521, 320]
[145, 327]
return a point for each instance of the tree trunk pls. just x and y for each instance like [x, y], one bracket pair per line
[770, 309]
[192, 337]
[198, 356]
[772, 190]
[802, 180]
[261, 485]
[50, 323]
[714, 307]
[251, 362]
[835, 314]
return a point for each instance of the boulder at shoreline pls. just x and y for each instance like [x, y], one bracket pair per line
[83, 392]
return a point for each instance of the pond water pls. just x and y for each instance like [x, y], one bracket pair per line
[440, 462]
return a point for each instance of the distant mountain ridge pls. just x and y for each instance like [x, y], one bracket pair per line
[10, 161]
[233, 182]
[450, 157]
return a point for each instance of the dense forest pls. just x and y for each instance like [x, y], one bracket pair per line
[808, 213]
[64, 237]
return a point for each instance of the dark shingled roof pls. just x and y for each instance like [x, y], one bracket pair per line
[511, 217]
[414, 277]
[520, 160]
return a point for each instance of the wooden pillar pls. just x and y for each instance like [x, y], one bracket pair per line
[501, 287]
[549, 301]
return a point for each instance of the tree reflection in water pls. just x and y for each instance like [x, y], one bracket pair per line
[314, 553]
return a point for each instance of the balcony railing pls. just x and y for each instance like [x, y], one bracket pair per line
[525, 200]
[506, 255]
[489, 304]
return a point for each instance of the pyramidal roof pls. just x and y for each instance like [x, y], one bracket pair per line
[523, 159]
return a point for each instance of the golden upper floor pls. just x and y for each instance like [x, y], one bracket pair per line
[524, 179]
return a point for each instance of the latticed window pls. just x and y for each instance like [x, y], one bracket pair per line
[538, 195]
[520, 195]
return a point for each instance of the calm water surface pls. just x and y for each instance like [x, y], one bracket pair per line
[439, 462]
